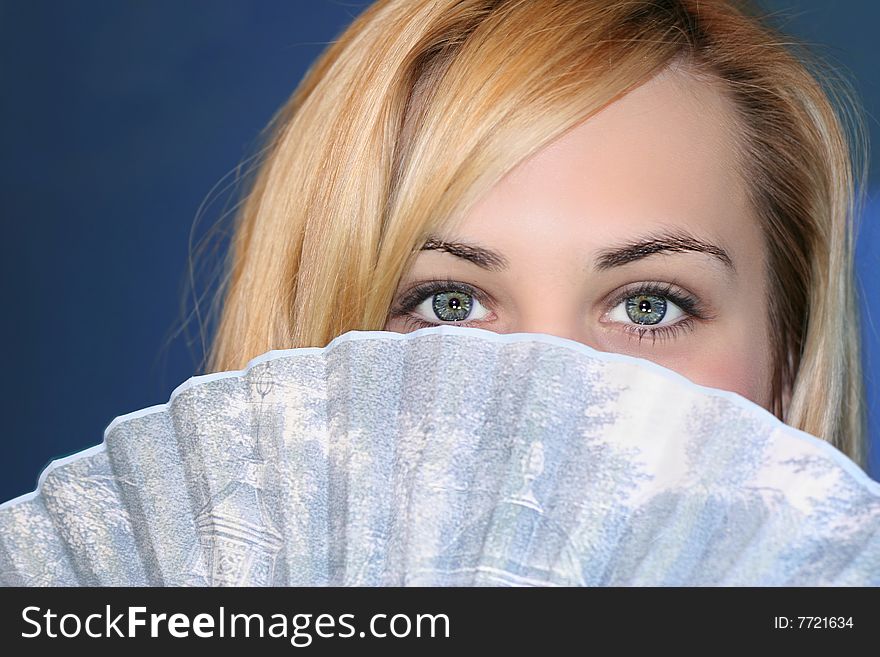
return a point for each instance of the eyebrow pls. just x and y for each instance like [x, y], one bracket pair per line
[677, 241]
[480, 256]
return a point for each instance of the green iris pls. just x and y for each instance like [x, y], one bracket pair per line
[646, 308]
[452, 306]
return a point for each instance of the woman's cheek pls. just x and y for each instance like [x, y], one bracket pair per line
[744, 371]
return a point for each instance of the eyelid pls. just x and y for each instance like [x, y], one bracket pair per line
[689, 304]
[686, 301]
[417, 292]
[477, 313]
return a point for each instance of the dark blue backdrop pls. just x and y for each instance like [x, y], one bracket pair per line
[117, 119]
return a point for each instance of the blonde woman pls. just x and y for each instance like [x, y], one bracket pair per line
[666, 179]
[663, 179]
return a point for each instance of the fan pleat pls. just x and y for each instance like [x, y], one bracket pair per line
[37, 556]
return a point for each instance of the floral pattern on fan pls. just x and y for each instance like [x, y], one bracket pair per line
[447, 456]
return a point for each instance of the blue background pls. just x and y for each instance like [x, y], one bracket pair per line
[118, 119]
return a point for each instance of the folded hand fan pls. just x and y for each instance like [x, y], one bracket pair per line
[447, 456]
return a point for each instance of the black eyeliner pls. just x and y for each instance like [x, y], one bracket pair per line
[688, 303]
[418, 293]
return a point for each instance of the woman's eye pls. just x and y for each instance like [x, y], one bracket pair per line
[451, 306]
[646, 310]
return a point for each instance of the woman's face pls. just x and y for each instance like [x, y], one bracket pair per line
[631, 233]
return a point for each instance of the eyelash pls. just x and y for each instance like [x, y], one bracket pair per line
[689, 305]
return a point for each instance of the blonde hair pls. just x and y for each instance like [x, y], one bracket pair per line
[422, 105]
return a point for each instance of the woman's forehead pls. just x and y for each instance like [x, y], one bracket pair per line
[663, 156]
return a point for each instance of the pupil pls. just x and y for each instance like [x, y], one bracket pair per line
[645, 306]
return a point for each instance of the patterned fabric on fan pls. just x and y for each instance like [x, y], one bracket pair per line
[447, 456]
